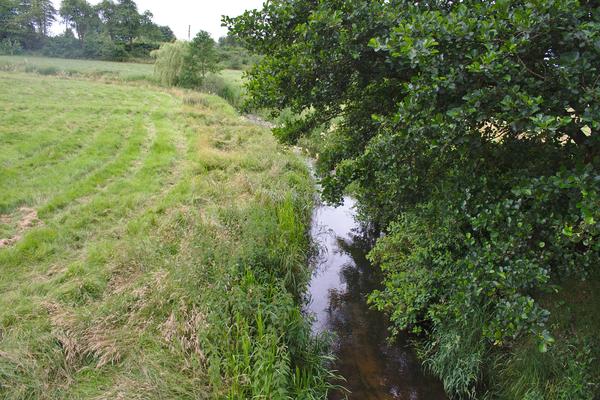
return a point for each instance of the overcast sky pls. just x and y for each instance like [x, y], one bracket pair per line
[178, 14]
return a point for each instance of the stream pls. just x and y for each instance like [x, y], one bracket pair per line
[341, 281]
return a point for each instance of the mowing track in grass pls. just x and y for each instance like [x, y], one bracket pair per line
[169, 252]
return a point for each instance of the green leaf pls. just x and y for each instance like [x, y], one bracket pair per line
[587, 131]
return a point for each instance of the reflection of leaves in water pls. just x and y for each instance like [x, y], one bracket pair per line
[360, 276]
[319, 251]
[336, 298]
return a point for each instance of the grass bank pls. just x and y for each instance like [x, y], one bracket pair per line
[155, 244]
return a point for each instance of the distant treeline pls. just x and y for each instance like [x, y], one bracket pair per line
[110, 30]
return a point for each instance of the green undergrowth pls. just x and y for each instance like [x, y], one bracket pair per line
[166, 254]
[569, 368]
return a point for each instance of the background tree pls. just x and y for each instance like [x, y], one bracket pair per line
[44, 15]
[166, 34]
[107, 12]
[128, 21]
[103, 31]
[229, 41]
[11, 26]
[79, 15]
[152, 32]
[200, 59]
[169, 62]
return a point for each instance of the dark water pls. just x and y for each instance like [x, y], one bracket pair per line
[340, 284]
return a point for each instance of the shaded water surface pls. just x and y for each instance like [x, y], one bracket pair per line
[340, 284]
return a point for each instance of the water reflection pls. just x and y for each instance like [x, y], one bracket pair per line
[341, 281]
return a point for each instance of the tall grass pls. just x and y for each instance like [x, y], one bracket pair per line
[569, 368]
[229, 90]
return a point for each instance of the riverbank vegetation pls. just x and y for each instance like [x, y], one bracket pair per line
[194, 65]
[153, 246]
[469, 134]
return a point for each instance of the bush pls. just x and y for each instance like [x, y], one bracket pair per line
[65, 46]
[235, 57]
[101, 47]
[216, 84]
[141, 50]
[10, 47]
[50, 70]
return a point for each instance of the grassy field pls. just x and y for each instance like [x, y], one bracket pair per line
[95, 68]
[154, 245]
[92, 68]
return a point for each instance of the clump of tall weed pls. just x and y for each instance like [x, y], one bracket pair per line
[196, 100]
[216, 84]
[562, 373]
[48, 70]
[455, 352]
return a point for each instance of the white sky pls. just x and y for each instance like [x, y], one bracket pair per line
[178, 14]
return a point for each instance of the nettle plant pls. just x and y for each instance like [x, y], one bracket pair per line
[467, 130]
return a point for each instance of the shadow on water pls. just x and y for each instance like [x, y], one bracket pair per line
[341, 282]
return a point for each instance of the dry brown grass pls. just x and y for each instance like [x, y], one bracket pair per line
[24, 219]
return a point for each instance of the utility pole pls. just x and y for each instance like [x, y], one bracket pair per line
[189, 32]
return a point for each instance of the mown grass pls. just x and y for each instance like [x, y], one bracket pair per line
[124, 71]
[168, 252]
[91, 68]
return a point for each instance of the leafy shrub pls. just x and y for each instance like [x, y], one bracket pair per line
[101, 47]
[65, 45]
[236, 57]
[216, 84]
[141, 50]
[10, 47]
[50, 70]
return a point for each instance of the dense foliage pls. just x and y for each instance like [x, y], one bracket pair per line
[196, 65]
[232, 55]
[469, 133]
[186, 64]
[109, 30]
[200, 59]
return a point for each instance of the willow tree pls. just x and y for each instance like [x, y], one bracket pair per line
[169, 62]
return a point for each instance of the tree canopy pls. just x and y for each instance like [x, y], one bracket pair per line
[111, 26]
[468, 132]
